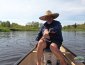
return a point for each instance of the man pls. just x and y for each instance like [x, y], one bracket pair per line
[50, 36]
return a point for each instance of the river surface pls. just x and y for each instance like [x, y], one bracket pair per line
[14, 45]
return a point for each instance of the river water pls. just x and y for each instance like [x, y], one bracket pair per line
[14, 45]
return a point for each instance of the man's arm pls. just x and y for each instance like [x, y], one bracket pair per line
[45, 35]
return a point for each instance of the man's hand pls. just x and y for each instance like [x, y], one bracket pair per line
[51, 30]
[46, 34]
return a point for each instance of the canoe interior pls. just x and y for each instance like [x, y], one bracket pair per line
[31, 58]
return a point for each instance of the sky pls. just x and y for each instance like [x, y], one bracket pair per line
[25, 11]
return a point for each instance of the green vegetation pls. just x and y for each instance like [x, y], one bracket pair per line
[74, 27]
[7, 26]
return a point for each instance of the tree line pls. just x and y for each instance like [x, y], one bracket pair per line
[75, 27]
[7, 26]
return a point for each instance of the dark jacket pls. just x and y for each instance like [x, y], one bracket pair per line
[56, 27]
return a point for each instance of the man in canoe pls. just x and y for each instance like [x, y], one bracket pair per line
[50, 36]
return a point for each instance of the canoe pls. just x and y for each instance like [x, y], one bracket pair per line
[48, 58]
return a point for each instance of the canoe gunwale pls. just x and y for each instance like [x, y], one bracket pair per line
[83, 63]
[69, 51]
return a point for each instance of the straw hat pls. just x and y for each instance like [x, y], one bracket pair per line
[49, 14]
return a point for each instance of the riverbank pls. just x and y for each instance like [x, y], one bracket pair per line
[75, 30]
[74, 27]
[5, 29]
[16, 29]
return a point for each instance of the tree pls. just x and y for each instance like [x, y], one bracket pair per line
[3, 24]
[7, 24]
[75, 25]
[33, 24]
[0, 23]
[14, 25]
[84, 23]
[68, 26]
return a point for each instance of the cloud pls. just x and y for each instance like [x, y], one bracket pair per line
[29, 10]
[83, 2]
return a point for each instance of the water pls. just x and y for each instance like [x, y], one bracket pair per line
[75, 41]
[14, 45]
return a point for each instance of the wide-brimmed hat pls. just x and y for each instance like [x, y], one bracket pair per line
[49, 14]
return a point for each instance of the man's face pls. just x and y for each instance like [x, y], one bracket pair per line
[49, 19]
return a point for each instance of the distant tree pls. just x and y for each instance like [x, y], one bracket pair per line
[75, 25]
[33, 24]
[0, 22]
[40, 25]
[68, 26]
[14, 25]
[7, 23]
[84, 23]
[3, 24]
[36, 24]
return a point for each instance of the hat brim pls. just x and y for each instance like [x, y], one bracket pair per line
[46, 17]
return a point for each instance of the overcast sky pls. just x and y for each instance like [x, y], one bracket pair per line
[24, 11]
